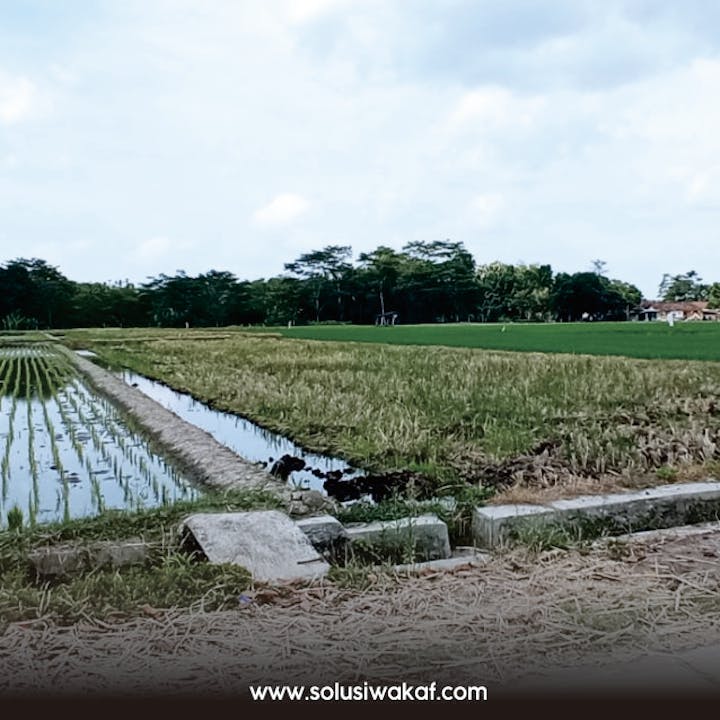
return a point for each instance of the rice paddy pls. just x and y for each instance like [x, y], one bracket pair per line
[463, 417]
[66, 452]
[689, 340]
[539, 421]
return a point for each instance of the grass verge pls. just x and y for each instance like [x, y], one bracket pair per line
[170, 579]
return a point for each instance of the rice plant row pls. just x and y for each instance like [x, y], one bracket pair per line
[64, 451]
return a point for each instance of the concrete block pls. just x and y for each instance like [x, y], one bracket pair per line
[668, 505]
[616, 513]
[75, 559]
[306, 502]
[664, 534]
[120, 554]
[267, 543]
[325, 532]
[60, 560]
[491, 525]
[427, 534]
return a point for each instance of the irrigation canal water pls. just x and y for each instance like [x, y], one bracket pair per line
[292, 462]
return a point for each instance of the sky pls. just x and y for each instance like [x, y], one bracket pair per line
[140, 137]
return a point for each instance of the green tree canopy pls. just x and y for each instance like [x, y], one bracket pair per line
[682, 288]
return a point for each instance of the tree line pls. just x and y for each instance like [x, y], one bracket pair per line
[425, 282]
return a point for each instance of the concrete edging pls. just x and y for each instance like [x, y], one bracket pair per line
[427, 534]
[615, 514]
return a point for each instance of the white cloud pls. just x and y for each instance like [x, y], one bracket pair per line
[552, 135]
[704, 188]
[484, 209]
[153, 248]
[281, 210]
[63, 75]
[494, 107]
[17, 99]
[300, 11]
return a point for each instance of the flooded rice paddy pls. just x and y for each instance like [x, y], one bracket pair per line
[66, 452]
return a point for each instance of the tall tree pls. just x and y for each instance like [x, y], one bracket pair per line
[102, 305]
[713, 295]
[531, 292]
[496, 282]
[37, 291]
[215, 295]
[438, 280]
[380, 270]
[170, 298]
[630, 294]
[599, 267]
[323, 270]
[586, 294]
[682, 288]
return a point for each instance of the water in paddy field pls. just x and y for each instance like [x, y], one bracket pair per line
[246, 438]
[65, 452]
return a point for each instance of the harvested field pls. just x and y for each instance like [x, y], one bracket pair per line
[518, 615]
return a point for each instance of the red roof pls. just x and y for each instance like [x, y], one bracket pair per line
[687, 307]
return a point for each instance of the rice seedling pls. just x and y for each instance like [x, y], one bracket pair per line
[14, 518]
[65, 452]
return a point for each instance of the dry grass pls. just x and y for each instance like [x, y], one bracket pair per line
[524, 492]
[517, 615]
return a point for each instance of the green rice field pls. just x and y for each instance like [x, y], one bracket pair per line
[683, 341]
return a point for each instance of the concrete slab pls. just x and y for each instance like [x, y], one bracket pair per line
[427, 534]
[121, 554]
[267, 543]
[77, 558]
[676, 498]
[658, 507]
[59, 560]
[325, 532]
[665, 534]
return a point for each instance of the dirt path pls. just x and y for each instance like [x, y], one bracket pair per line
[516, 616]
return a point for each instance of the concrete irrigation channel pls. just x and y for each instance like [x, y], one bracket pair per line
[193, 450]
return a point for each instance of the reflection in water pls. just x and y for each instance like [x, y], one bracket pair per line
[67, 453]
[18, 378]
[242, 436]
